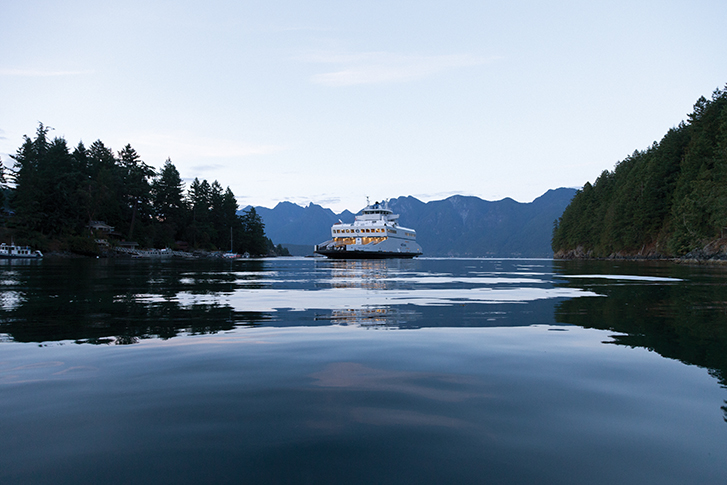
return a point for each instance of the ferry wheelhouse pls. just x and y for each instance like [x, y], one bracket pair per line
[374, 234]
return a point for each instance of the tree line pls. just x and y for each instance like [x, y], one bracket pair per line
[52, 194]
[667, 200]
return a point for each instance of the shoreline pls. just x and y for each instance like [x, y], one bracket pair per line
[693, 257]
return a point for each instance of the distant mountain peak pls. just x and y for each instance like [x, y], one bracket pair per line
[460, 225]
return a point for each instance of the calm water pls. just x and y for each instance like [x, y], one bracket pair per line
[315, 371]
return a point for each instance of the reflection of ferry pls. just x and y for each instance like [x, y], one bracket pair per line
[365, 317]
[372, 318]
[18, 252]
[375, 234]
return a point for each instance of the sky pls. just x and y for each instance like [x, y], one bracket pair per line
[331, 102]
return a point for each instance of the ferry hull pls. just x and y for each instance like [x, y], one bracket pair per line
[333, 254]
[15, 256]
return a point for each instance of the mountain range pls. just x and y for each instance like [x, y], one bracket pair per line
[458, 226]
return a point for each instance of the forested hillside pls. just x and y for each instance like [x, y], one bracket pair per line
[55, 198]
[667, 200]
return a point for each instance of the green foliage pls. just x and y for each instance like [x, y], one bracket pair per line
[278, 250]
[254, 240]
[55, 194]
[84, 245]
[666, 200]
[169, 208]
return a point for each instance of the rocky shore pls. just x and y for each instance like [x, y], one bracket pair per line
[712, 252]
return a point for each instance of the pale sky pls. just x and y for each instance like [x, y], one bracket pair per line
[332, 101]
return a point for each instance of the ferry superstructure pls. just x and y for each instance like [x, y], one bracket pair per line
[374, 234]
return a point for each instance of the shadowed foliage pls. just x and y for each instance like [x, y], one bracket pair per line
[54, 195]
[667, 200]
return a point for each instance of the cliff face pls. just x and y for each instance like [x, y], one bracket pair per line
[666, 201]
[713, 251]
[645, 252]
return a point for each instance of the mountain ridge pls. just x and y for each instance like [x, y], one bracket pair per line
[458, 226]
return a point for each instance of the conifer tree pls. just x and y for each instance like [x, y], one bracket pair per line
[136, 193]
[670, 198]
[55, 193]
[168, 194]
[254, 240]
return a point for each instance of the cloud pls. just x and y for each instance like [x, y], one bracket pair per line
[41, 73]
[440, 195]
[191, 146]
[207, 168]
[324, 200]
[385, 67]
[277, 28]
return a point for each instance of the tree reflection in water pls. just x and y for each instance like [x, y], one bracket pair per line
[684, 320]
[120, 302]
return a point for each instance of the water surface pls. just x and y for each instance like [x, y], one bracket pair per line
[298, 370]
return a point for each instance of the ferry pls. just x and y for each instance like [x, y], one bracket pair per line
[374, 234]
[18, 252]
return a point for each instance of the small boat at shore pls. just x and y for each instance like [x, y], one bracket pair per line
[231, 255]
[374, 234]
[18, 252]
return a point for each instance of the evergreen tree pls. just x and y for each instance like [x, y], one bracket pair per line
[47, 180]
[220, 233]
[231, 224]
[168, 194]
[105, 186]
[136, 193]
[60, 180]
[200, 203]
[27, 196]
[3, 186]
[170, 209]
[667, 200]
[55, 193]
[254, 240]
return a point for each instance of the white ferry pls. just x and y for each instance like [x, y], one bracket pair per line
[375, 234]
[18, 252]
